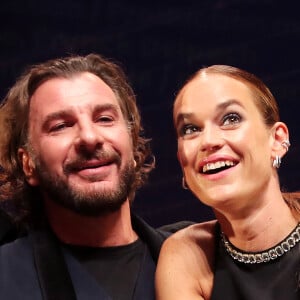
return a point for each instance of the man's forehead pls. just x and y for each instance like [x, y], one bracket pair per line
[79, 82]
[83, 89]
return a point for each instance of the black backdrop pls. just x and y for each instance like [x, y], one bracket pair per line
[159, 44]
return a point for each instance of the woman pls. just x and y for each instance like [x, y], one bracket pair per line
[230, 145]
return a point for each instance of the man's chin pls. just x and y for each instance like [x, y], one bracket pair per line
[102, 188]
[93, 201]
[91, 206]
[92, 185]
[89, 198]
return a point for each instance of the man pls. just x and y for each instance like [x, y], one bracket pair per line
[73, 153]
[8, 232]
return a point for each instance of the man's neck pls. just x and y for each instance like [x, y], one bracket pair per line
[112, 229]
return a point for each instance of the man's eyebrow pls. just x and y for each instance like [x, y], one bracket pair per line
[106, 106]
[220, 107]
[62, 114]
[56, 115]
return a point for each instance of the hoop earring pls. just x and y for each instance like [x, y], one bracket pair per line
[184, 185]
[286, 144]
[277, 162]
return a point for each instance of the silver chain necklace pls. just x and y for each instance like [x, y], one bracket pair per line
[265, 256]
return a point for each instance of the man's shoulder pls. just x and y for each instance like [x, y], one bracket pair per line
[17, 249]
[18, 274]
[8, 230]
[16, 257]
[154, 237]
[163, 231]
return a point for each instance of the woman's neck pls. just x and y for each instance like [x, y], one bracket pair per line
[260, 229]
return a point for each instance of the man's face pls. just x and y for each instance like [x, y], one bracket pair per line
[80, 145]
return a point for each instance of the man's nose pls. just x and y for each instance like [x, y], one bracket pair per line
[88, 137]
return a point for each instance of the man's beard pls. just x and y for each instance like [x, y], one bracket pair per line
[94, 202]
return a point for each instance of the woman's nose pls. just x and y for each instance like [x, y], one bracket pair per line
[211, 139]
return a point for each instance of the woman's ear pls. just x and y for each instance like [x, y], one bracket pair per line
[280, 139]
[28, 167]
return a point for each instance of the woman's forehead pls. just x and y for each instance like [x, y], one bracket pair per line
[208, 86]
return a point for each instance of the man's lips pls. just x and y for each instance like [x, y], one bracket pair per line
[99, 159]
[92, 165]
[93, 171]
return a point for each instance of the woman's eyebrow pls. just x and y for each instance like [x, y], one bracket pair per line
[181, 116]
[221, 106]
[227, 103]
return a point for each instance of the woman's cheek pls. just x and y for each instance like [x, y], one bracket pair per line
[185, 154]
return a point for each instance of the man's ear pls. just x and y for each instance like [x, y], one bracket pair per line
[280, 138]
[28, 167]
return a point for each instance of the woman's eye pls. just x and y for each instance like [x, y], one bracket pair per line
[231, 119]
[188, 129]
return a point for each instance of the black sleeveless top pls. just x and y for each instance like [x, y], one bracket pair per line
[277, 279]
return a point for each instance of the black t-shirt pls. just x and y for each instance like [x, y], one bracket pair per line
[116, 269]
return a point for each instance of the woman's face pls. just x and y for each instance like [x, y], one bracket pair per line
[224, 147]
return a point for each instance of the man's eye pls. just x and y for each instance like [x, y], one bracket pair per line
[105, 119]
[188, 129]
[231, 119]
[58, 127]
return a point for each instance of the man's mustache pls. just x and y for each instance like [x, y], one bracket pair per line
[104, 157]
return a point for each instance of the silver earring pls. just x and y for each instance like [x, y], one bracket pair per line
[286, 144]
[184, 185]
[277, 162]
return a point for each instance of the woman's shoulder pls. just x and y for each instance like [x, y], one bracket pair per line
[199, 234]
[186, 260]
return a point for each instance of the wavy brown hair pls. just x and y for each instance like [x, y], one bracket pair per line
[14, 114]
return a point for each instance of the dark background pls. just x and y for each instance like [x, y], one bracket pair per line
[160, 44]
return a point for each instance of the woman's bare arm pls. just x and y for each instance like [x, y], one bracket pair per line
[184, 269]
